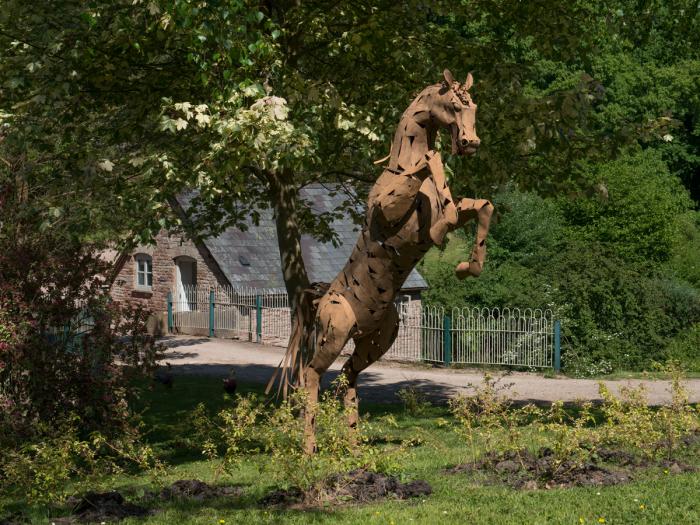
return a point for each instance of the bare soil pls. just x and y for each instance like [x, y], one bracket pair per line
[527, 471]
[196, 490]
[357, 486]
[98, 507]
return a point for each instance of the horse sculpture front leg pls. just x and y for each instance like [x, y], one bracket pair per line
[481, 210]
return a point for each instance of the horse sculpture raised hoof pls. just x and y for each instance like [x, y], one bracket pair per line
[410, 209]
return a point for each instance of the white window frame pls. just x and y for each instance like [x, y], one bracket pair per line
[143, 268]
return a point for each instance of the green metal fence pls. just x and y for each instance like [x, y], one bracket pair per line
[528, 338]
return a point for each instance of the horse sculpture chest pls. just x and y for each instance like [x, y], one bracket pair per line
[383, 257]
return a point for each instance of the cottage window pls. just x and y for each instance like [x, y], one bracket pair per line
[144, 271]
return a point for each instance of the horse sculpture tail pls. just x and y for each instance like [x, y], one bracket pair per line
[300, 349]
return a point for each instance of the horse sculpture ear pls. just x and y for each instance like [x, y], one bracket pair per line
[469, 82]
[448, 78]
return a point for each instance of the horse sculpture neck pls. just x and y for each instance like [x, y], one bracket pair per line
[415, 134]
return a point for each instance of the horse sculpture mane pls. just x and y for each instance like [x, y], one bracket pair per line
[409, 210]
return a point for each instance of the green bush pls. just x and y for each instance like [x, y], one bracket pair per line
[619, 268]
[685, 262]
[252, 426]
[639, 219]
[685, 348]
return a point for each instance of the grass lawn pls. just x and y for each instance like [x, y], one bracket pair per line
[654, 497]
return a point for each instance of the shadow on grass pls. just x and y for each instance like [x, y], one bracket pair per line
[166, 412]
[372, 386]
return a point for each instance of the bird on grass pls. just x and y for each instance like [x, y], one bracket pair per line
[230, 383]
[165, 377]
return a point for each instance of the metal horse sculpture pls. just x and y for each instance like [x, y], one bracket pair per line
[410, 209]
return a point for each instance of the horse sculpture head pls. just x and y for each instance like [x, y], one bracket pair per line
[454, 109]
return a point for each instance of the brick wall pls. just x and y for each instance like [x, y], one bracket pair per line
[164, 254]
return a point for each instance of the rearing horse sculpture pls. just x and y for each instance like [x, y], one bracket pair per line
[410, 209]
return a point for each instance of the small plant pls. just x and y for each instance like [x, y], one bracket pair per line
[572, 439]
[632, 425]
[487, 417]
[234, 433]
[414, 401]
[46, 470]
[678, 419]
[629, 422]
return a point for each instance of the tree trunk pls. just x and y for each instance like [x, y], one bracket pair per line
[284, 195]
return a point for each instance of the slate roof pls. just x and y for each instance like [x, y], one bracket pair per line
[258, 246]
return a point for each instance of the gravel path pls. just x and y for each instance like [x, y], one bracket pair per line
[255, 363]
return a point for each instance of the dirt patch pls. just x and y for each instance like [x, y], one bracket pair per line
[524, 470]
[363, 486]
[528, 471]
[283, 498]
[98, 507]
[677, 467]
[358, 486]
[196, 490]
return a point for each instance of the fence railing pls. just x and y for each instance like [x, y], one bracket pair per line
[464, 336]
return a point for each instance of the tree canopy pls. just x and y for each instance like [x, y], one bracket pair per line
[108, 109]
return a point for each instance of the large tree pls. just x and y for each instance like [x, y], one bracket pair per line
[110, 108]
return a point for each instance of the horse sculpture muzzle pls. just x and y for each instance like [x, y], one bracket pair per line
[468, 147]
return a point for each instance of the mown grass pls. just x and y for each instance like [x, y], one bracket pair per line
[654, 497]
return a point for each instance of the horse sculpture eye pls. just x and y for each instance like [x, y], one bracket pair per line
[457, 107]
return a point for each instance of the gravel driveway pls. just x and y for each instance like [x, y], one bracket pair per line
[255, 363]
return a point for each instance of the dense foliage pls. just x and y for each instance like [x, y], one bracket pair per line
[610, 268]
[610, 242]
[68, 358]
[108, 109]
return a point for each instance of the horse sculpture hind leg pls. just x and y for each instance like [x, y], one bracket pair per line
[335, 323]
[368, 349]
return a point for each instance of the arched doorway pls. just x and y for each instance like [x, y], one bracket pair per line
[185, 282]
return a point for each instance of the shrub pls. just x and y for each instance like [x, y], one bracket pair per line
[619, 269]
[684, 262]
[65, 402]
[639, 220]
[631, 424]
[62, 462]
[251, 426]
[414, 401]
[487, 418]
[51, 374]
[569, 435]
[573, 437]
[68, 360]
[618, 316]
[684, 348]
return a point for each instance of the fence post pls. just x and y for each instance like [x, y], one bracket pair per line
[258, 318]
[447, 339]
[170, 312]
[557, 346]
[211, 312]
